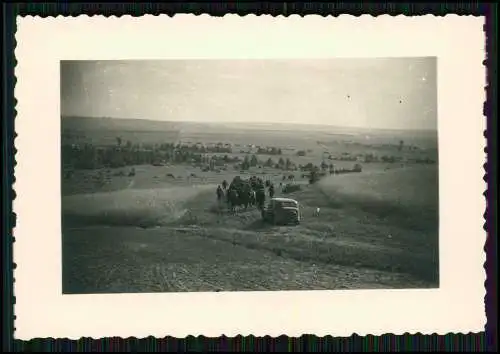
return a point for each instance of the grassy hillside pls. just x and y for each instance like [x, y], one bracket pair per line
[159, 229]
[104, 131]
[385, 238]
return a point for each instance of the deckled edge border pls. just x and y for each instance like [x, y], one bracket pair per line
[275, 10]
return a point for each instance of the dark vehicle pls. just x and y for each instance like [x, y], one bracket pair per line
[282, 211]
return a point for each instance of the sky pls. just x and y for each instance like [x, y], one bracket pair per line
[385, 93]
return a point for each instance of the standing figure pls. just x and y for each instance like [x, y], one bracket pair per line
[220, 198]
[260, 196]
[233, 200]
[271, 191]
[220, 193]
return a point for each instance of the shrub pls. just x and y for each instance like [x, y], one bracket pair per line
[290, 188]
[357, 168]
[313, 177]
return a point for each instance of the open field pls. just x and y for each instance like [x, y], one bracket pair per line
[159, 229]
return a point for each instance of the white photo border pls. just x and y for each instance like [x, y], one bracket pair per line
[456, 307]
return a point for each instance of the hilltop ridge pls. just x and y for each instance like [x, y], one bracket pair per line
[115, 123]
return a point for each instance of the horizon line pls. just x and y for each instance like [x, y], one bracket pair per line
[252, 123]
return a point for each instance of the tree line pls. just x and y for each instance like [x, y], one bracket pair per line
[372, 158]
[88, 156]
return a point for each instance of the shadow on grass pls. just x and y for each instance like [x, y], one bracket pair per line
[111, 219]
[257, 225]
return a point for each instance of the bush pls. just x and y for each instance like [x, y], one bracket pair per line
[290, 188]
[314, 177]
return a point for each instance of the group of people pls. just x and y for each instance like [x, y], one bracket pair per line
[244, 192]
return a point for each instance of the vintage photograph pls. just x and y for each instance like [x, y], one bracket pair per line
[209, 175]
[251, 175]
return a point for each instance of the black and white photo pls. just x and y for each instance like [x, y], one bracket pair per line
[233, 175]
[198, 175]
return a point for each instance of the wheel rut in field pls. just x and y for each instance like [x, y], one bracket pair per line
[290, 251]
